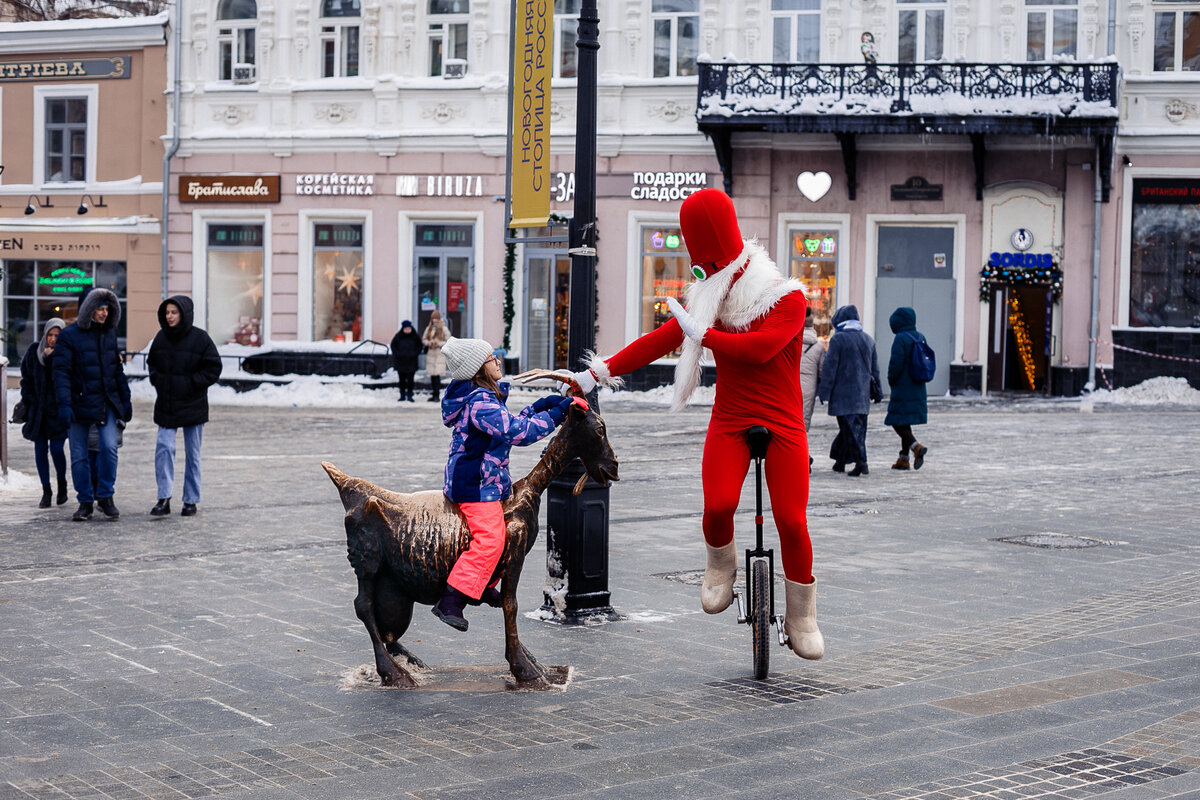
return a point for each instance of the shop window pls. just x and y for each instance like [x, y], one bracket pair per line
[448, 28]
[796, 26]
[338, 281]
[35, 291]
[235, 283]
[339, 38]
[1177, 39]
[676, 25]
[921, 30]
[566, 23]
[813, 255]
[666, 272]
[66, 148]
[1164, 265]
[237, 23]
[1051, 29]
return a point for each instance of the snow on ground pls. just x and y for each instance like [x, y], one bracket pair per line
[17, 482]
[1155, 391]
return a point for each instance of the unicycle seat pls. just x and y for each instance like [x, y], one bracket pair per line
[757, 438]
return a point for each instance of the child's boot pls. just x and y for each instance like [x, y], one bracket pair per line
[450, 608]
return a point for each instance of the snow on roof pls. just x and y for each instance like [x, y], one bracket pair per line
[828, 104]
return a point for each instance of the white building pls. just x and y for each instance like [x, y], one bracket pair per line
[342, 168]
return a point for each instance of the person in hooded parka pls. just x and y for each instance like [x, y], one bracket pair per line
[183, 363]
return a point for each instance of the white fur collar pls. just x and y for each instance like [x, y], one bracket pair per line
[735, 304]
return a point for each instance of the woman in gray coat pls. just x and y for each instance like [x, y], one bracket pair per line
[812, 355]
[849, 384]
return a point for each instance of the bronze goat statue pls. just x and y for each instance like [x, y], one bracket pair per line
[403, 546]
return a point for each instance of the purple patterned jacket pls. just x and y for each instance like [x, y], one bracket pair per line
[483, 432]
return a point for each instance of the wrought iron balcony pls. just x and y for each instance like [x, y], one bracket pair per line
[1039, 99]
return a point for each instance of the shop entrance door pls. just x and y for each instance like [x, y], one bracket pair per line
[444, 262]
[547, 301]
[1020, 338]
[916, 269]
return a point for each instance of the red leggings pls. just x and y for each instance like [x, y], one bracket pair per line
[724, 470]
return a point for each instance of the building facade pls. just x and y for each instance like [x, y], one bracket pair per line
[82, 115]
[342, 168]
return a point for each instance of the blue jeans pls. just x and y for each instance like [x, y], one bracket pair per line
[43, 451]
[164, 462]
[106, 459]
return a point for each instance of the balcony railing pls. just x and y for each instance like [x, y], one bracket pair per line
[1064, 90]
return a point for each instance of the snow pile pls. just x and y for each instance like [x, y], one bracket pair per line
[19, 483]
[1155, 391]
[301, 391]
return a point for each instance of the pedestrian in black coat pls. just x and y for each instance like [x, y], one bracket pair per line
[849, 384]
[91, 389]
[406, 347]
[42, 425]
[183, 362]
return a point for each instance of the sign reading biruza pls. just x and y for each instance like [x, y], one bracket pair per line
[43, 69]
[229, 188]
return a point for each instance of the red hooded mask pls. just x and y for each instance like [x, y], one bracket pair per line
[710, 231]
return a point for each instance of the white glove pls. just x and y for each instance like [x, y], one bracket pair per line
[690, 328]
[585, 379]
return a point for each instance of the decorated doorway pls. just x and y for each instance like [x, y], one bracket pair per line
[1021, 326]
[547, 301]
[445, 264]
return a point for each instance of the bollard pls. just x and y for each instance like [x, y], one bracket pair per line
[577, 551]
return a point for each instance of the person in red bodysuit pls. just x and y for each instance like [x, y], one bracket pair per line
[752, 319]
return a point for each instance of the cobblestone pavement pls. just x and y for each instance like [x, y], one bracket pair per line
[1017, 619]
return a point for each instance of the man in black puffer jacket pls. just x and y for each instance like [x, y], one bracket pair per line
[91, 389]
[183, 363]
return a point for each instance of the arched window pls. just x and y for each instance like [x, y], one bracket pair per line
[339, 38]
[236, 41]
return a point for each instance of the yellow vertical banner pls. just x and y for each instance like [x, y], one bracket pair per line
[533, 57]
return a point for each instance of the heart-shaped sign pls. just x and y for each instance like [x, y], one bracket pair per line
[814, 185]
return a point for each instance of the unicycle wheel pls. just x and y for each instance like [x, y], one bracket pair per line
[760, 615]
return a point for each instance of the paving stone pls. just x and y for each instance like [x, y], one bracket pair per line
[209, 656]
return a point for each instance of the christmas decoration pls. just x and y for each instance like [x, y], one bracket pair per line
[1051, 277]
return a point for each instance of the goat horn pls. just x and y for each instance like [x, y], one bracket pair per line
[545, 374]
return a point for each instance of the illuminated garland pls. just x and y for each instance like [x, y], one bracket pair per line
[1051, 277]
[1016, 323]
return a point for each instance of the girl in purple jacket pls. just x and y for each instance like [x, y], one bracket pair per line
[477, 479]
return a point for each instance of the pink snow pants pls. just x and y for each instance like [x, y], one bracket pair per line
[473, 571]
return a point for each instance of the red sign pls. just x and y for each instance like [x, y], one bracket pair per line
[455, 294]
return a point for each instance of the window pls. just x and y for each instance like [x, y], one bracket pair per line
[66, 139]
[1052, 24]
[337, 281]
[566, 23]
[796, 26]
[676, 36]
[339, 38]
[235, 40]
[813, 261]
[922, 30]
[1177, 40]
[36, 291]
[666, 272]
[235, 283]
[1164, 265]
[447, 33]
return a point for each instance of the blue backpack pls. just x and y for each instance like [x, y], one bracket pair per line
[921, 362]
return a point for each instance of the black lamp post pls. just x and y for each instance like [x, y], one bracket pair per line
[577, 539]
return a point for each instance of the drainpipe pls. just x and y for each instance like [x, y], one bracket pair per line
[177, 35]
[1112, 27]
[1094, 324]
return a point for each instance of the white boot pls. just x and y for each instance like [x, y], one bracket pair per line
[716, 592]
[800, 624]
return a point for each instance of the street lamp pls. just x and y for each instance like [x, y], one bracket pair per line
[577, 539]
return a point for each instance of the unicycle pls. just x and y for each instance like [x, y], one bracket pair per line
[760, 569]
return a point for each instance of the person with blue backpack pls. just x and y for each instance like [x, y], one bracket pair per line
[910, 367]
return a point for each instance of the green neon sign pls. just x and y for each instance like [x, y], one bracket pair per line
[66, 280]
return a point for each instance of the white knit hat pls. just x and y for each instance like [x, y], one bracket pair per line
[464, 357]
